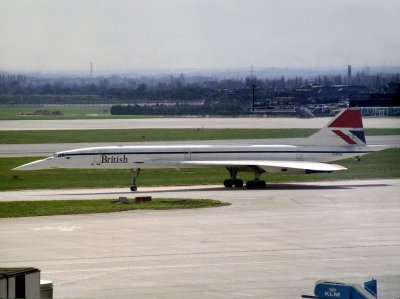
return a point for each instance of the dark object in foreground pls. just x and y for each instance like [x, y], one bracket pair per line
[19, 283]
[142, 199]
[328, 289]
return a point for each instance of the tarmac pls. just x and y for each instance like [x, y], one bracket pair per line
[273, 243]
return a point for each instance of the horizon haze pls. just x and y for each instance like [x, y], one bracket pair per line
[60, 36]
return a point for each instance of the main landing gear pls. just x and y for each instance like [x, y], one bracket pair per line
[238, 183]
[134, 175]
[256, 183]
[233, 181]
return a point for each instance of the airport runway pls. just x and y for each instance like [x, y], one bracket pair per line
[273, 243]
[187, 122]
[40, 150]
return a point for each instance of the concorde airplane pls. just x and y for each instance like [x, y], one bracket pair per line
[341, 138]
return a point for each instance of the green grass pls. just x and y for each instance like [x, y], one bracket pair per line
[75, 136]
[68, 112]
[139, 135]
[76, 178]
[378, 165]
[67, 207]
[384, 164]
[382, 131]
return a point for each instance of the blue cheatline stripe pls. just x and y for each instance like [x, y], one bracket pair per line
[217, 152]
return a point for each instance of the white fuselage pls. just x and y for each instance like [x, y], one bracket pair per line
[133, 157]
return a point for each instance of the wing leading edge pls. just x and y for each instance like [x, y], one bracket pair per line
[270, 166]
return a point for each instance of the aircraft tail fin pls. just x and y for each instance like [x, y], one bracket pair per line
[346, 129]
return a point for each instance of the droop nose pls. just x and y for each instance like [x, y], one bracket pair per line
[37, 165]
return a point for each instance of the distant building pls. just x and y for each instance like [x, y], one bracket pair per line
[349, 74]
[390, 98]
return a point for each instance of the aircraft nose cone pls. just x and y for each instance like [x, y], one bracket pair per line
[36, 165]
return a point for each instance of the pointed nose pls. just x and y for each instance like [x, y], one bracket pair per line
[37, 165]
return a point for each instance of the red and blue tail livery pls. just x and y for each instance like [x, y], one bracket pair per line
[347, 119]
[348, 126]
[346, 129]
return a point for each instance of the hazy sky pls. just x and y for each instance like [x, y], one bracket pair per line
[164, 34]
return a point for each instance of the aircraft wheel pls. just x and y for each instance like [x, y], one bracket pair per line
[228, 183]
[250, 185]
[261, 185]
[238, 183]
[256, 185]
[133, 188]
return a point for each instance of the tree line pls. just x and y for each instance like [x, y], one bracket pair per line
[237, 92]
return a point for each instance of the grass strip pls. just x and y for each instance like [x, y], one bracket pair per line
[143, 135]
[8, 112]
[383, 164]
[68, 207]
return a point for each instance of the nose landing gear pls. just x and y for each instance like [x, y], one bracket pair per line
[134, 175]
